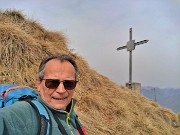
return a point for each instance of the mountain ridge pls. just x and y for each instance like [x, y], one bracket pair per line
[166, 97]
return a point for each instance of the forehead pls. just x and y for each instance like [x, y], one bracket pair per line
[56, 65]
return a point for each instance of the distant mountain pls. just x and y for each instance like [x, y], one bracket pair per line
[166, 97]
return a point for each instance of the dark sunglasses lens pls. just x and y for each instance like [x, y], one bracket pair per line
[69, 84]
[51, 83]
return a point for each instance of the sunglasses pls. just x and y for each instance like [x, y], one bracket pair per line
[54, 83]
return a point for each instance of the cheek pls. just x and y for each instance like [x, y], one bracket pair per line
[71, 93]
[44, 92]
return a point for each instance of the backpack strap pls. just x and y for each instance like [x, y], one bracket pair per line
[78, 126]
[45, 126]
[60, 126]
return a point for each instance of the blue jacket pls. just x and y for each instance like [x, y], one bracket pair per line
[20, 119]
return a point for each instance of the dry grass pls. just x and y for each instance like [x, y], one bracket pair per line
[104, 107]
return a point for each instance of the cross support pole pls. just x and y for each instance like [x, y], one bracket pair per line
[130, 60]
[130, 46]
[130, 69]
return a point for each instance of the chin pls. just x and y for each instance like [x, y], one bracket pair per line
[58, 107]
[61, 108]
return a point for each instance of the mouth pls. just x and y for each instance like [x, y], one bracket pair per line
[59, 98]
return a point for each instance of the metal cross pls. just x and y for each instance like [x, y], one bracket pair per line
[130, 47]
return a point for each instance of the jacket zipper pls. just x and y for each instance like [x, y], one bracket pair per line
[67, 121]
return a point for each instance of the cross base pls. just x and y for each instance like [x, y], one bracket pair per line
[134, 86]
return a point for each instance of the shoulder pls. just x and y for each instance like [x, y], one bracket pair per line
[19, 110]
[16, 107]
[18, 118]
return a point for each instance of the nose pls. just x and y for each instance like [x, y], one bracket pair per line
[60, 88]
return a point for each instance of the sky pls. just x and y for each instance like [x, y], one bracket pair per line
[96, 28]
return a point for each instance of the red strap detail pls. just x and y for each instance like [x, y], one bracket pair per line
[4, 94]
[83, 129]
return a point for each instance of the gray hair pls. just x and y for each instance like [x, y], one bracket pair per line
[60, 57]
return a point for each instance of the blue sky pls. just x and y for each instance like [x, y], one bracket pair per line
[95, 28]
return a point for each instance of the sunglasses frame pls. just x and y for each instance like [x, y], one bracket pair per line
[58, 81]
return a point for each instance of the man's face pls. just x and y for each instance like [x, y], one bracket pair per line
[59, 97]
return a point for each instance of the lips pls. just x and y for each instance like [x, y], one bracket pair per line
[59, 98]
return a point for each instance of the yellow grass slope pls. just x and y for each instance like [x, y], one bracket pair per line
[104, 107]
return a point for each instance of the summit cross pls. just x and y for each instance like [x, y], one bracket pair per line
[130, 46]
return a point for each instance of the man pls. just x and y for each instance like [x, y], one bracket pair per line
[57, 78]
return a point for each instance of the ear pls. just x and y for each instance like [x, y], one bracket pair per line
[38, 85]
